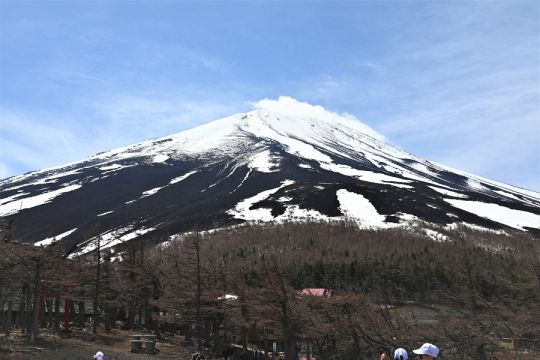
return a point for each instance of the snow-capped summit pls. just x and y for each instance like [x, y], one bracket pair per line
[284, 161]
[271, 119]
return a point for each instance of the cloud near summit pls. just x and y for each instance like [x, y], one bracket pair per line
[289, 106]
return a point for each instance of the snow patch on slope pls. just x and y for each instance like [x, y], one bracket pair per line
[151, 191]
[435, 235]
[448, 192]
[510, 217]
[359, 208]
[242, 209]
[12, 198]
[533, 195]
[105, 213]
[475, 185]
[368, 176]
[55, 177]
[112, 167]
[160, 158]
[456, 225]
[422, 168]
[263, 162]
[294, 212]
[507, 194]
[183, 177]
[110, 239]
[51, 240]
[26, 203]
[280, 130]
[44, 181]
[243, 181]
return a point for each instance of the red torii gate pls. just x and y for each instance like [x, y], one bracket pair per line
[68, 286]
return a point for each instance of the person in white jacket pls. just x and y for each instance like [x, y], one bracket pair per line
[99, 355]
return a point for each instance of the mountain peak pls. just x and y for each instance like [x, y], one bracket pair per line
[285, 120]
[286, 106]
[285, 160]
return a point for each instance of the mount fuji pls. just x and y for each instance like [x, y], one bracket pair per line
[284, 161]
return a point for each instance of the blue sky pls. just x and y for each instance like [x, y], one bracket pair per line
[457, 83]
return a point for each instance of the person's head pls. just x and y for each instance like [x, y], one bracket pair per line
[385, 355]
[427, 351]
[401, 354]
[99, 355]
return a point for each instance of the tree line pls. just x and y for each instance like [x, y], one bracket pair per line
[388, 288]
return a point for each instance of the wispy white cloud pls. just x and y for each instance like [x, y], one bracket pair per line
[287, 105]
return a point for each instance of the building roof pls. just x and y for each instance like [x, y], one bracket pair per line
[315, 292]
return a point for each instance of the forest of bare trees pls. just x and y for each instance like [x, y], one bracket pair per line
[384, 289]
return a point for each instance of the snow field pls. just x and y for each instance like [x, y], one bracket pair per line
[29, 202]
[503, 215]
[51, 240]
[110, 239]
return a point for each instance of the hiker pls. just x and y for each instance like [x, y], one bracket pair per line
[427, 351]
[385, 355]
[401, 354]
[99, 355]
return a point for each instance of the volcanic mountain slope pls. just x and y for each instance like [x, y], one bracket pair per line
[284, 161]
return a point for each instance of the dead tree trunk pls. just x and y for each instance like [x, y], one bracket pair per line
[56, 325]
[97, 289]
[82, 314]
[9, 319]
[34, 328]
